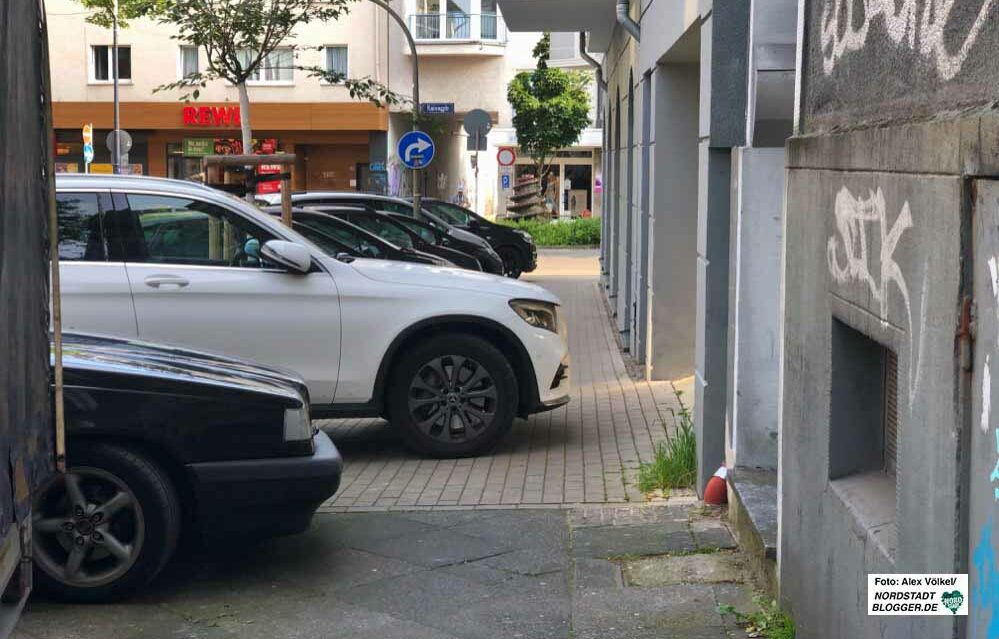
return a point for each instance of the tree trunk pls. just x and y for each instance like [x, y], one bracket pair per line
[246, 127]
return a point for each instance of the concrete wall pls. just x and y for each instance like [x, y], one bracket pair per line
[890, 229]
[754, 307]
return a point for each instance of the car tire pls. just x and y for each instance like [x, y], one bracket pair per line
[513, 266]
[453, 396]
[125, 520]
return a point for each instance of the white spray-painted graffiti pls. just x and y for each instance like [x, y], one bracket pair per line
[852, 216]
[921, 29]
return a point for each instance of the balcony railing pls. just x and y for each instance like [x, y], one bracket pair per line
[445, 27]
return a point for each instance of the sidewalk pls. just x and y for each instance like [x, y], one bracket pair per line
[586, 452]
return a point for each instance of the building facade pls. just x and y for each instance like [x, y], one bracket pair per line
[340, 143]
[468, 56]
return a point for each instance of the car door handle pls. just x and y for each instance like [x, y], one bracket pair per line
[156, 281]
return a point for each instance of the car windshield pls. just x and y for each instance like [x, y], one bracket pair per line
[383, 228]
[452, 213]
[425, 231]
[359, 241]
[328, 245]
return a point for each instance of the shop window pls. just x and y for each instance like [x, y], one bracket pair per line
[336, 60]
[188, 63]
[102, 62]
[277, 67]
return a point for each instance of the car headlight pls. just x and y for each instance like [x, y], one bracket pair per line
[537, 314]
[297, 424]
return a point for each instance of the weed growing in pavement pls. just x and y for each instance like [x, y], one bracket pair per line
[769, 622]
[675, 462]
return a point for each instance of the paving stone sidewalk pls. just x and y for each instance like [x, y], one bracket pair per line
[586, 452]
[594, 572]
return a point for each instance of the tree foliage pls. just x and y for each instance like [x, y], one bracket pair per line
[551, 108]
[237, 36]
[103, 11]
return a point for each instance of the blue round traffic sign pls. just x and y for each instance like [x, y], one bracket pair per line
[416, 150]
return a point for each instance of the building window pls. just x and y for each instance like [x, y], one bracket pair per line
[457, 20]
[336, 60]
[188, 61]
[101, 63]
[278, 67]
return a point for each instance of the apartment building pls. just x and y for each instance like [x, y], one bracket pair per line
[468, 56]
[339, 142]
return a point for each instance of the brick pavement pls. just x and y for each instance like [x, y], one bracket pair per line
[587, 452]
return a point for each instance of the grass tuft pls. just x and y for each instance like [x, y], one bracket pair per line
[675, 462]
[769, 622]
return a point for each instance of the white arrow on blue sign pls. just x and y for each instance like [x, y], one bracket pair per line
[416, 150]
[88, 153]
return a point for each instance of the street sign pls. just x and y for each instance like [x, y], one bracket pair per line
[506, 181]
[416, 150]
[506, 157]
[88, 153]
[438, 108]
[478, 124]
[88, 133]
[124, 142]
[88, 145]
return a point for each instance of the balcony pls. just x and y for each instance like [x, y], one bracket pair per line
[458, 33]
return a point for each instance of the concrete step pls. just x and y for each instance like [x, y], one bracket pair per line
[752, 512]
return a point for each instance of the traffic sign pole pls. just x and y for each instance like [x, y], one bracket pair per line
[117, 117]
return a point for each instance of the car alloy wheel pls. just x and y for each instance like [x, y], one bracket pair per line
[88, 527]
[453, 398]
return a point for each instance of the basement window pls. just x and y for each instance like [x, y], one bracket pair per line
[863, 432]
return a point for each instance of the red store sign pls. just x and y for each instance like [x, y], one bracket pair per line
[211, 116]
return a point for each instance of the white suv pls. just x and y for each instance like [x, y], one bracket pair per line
[450, 357]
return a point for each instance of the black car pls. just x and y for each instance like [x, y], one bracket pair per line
[321, 227]
[461, 239]
[515, 247]
[386, 227]
[162, 441]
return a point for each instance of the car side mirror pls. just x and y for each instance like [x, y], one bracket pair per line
[290, 255]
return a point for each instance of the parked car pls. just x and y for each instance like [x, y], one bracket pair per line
[392, 230]
[362, 242]
[160, 440]
[449, 356]
[515, 247]
[461, 239]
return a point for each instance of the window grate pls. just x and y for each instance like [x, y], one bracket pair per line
[891, 412]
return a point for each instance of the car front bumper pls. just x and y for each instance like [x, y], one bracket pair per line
[265, 496]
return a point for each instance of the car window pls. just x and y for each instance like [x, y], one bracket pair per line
[186, 231]
[394, 207]
[451, 213]
[427, 234]
[323, 241]
[383, 229]
[80, 235]
[348, 236]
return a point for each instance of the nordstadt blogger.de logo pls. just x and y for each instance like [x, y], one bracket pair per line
[917, 594]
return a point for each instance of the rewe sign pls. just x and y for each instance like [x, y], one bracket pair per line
[211, 116]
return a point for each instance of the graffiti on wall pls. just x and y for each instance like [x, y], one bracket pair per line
[853, 215]
[922, 26]
[856, 217]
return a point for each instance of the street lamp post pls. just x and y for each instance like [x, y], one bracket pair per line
[417, 196]
[116, 151]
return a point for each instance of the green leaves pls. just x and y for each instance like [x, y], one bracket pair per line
[551, 106]
[103, 11]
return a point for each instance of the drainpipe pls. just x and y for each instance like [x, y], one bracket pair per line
[601, 83]
[624, 19]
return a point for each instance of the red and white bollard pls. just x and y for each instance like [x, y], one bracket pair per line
[716, 492]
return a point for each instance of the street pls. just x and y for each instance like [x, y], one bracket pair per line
[547, 537]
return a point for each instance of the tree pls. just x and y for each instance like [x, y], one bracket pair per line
[240, 37]
[551, 108]
[103, 10]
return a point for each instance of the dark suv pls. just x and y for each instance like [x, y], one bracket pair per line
[515, 247]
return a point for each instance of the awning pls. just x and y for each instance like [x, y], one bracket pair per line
[594, 16]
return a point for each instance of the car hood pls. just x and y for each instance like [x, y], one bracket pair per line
[97, 354]
[450, 278]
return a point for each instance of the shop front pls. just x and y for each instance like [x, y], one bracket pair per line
[335, 144]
